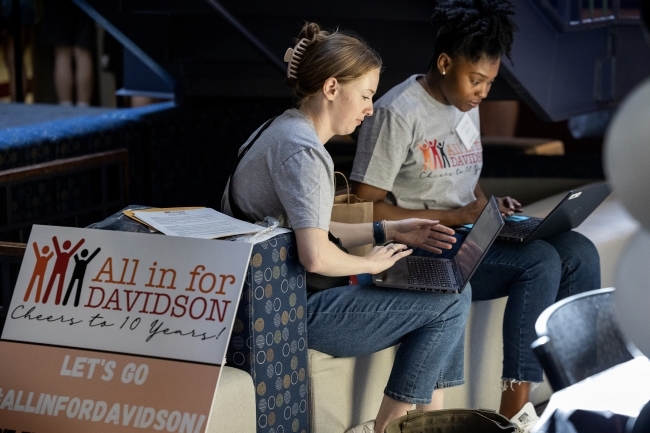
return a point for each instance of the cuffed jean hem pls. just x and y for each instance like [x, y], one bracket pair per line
[412, 400]
[405, 399]
[449, 384]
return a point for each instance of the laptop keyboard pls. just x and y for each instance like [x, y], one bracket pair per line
[428, 272]
[520, 229]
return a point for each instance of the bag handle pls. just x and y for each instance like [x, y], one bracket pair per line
[347, 185]
[500, 423]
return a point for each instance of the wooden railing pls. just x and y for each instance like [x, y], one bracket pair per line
[42, 193]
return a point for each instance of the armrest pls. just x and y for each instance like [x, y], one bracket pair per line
[269, 338]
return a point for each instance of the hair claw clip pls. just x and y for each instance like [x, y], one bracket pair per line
[293, 56]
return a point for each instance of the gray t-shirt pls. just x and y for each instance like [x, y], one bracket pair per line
[287, 174]
[409, 148]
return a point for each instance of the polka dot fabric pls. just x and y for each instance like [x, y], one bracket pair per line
[269, 338]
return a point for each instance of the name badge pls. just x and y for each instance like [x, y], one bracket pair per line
[467, 131]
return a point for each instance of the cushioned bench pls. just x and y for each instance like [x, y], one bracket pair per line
[233, 408]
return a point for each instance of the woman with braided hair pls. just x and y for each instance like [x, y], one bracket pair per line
[393, 170]
[287, 174]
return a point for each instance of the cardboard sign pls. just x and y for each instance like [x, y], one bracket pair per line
[114, 331]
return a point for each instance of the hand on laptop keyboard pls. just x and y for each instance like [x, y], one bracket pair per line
[508, 206]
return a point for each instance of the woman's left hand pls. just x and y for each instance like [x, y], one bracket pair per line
[508, 206]
[422, 233]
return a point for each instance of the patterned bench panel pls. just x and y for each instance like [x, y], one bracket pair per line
[269, 338]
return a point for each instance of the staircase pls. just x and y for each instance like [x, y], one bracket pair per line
[574, 57]
[209, 48]
[565, 61]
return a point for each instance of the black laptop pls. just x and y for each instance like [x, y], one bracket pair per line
[435, 274]
[574, 208]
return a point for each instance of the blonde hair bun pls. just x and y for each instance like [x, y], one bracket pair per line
[326, 54]
[311, 32]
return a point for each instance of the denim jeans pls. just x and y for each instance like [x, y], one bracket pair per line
[361, 319]
[533, 276]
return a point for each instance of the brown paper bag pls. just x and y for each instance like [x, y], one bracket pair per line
[348, 208]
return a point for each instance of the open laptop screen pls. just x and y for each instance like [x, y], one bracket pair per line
[479, 239]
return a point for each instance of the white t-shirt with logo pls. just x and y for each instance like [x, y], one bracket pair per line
[409, 148]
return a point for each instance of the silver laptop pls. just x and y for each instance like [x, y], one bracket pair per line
[435, 274]
[574, 208]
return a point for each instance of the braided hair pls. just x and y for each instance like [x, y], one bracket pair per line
[474, 28]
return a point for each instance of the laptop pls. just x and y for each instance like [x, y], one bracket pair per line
[435, 274]
[574, 208]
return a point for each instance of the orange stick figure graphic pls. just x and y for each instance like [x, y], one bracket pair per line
[39, 271]
[428, 165]
[78, 274]
[60, 267]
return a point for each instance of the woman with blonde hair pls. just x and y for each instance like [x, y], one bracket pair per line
[285, 172]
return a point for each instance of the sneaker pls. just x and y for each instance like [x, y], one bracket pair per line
[366, 427]
[526, 418]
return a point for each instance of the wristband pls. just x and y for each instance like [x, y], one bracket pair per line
[379, 233]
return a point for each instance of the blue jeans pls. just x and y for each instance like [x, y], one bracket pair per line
[533, 276]
[358, 320]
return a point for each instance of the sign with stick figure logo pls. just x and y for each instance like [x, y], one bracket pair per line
[112, 331]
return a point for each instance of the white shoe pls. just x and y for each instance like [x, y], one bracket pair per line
[526, 418]
[366, 427]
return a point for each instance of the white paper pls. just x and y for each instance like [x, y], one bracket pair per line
[262, 236]
[204, 223]
[467, 131]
